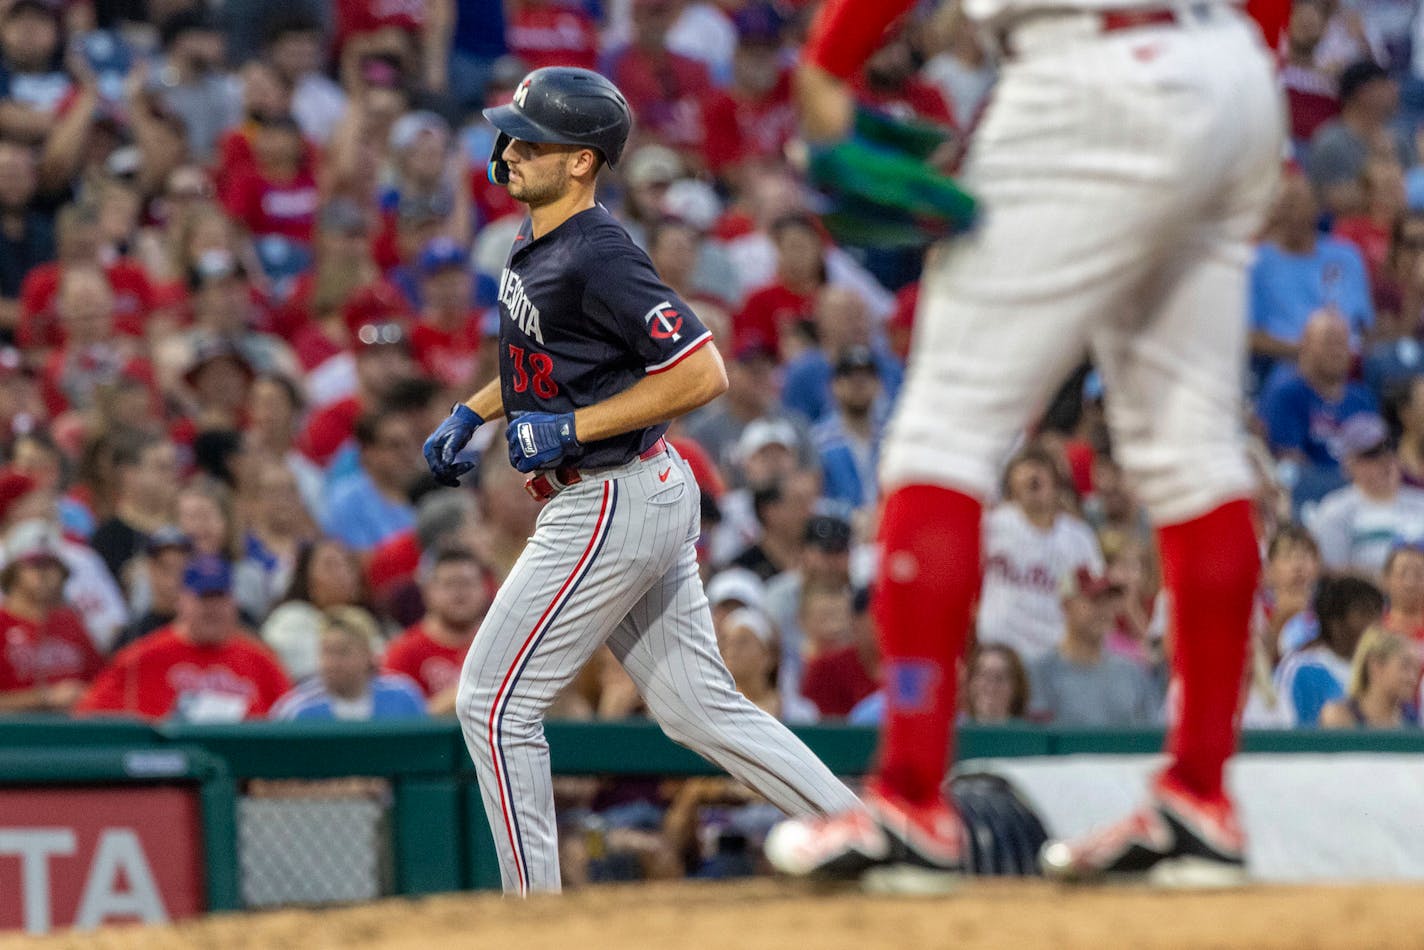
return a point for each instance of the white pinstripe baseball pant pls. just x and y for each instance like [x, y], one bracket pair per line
[612, 560]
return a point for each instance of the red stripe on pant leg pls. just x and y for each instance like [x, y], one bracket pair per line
[495, 752]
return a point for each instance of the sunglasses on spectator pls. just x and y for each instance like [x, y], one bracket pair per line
[375, 334]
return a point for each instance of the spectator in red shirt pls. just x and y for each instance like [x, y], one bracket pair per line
[92, 356]
[754, 119]
[667, 91]
[202, 668]
[458, 590]
[446, 340]
[553, 33]
[343, 289]
[266, 96]
[277, 193]
[839, 679]
[1382, 185]
[78, 244]
[771, 311]
[46, 657]
[383, 360]
[1310, 90]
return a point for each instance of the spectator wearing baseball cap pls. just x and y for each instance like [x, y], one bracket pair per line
[1356, 526]
[753, 120]
[447, 337]
[47, 656]
[1081, 683]
[824, 561]
[201, 668]
[747, 642]
[848, 440]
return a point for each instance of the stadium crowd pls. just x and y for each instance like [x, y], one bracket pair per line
[249, 256]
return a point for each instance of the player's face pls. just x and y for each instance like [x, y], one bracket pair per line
[538, 171]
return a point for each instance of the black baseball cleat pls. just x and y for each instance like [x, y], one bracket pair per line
[888, 847]
[1175, 841]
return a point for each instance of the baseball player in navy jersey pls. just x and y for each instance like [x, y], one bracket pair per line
[1125, 161]
[596, 356]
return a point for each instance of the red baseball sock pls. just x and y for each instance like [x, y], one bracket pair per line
[1210, 566]
[929, 580]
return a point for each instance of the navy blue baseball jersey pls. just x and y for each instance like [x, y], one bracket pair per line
[583, 316]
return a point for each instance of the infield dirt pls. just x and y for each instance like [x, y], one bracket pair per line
[771, 915]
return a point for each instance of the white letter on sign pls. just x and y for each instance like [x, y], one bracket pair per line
[34, 847]
[119, 852]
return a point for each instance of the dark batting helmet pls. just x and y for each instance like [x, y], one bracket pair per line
[565, 105]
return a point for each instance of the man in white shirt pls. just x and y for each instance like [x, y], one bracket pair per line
[1356, 526]
[1030, 546]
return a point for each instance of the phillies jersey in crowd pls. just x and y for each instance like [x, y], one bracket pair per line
[1023, 568]
[167, 675]
[36, 654]
[434, 666]
[583, 316]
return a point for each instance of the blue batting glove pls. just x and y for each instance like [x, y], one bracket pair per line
[542, 440]
[443, 447]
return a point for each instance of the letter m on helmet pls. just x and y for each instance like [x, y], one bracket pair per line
[562, 105]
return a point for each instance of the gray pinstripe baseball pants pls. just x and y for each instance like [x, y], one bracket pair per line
[612, 560]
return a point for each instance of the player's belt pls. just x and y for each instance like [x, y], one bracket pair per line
[545, 485]
[1109, 20]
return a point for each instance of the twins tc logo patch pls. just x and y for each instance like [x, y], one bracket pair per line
[664, 323]
[912, 685]
[526, 440]
[521, 94]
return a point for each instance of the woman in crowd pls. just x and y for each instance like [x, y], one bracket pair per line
[996, 686]
[326, 575]
[205, 516]
[1384, 679]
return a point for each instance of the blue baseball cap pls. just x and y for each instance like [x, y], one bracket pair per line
[207, 575]
[441, 253]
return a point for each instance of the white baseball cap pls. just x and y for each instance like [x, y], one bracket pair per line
[760, 433]
[736, 584]
[754, 620]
